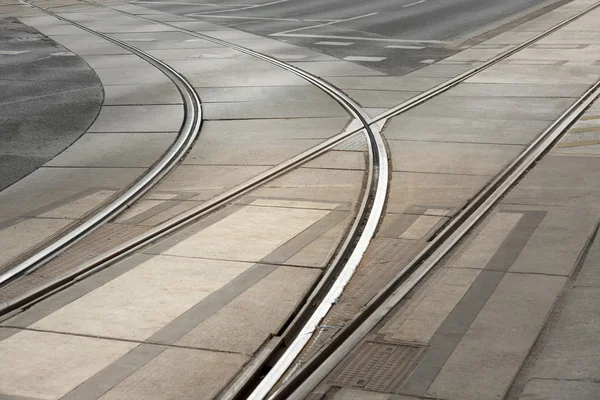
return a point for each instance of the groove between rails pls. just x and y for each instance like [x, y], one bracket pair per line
[322, 364]
[187, 134]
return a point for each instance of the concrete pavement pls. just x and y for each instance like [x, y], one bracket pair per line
[183, 317]
[471, 329]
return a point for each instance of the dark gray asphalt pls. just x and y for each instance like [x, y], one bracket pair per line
[47, 100]
[425, 26]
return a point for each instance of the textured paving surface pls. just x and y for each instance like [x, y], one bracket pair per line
[183, 317]
[478, 316]
[389, 36]
[48, 98]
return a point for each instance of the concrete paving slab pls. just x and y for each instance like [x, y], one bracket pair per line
[386, 83]
[252, 232]
[310, 205]
[427, 315]
[79, 207]
[146, 118]
[132, 76]
[339, 160]
[120, 150]
[318, 253]
[577, 74]
[259, 94]
[551, 182]
[518, 90]
[263, 131]
[180, 374]
[545, 21]
[473, 54]
[201, 26]
[568, 352]
[49, 187]
[511, 108]
[202, 51]
[45, 365]
[240, 72]
[98, 49]
[170, 213]
[467, 130]
[140, 207]
[138, 303]
[380, 98]
[151, 93]
[557, 55]
[136, 27]
[261, 311]
[357, 394]
[432, 190]
[451, 158]
[323, 107]
[557, 243]
[60, 29]
[420, 227]
[589, 276]
[440, 71]
[199, 178]
[482, 248]
[560, 389]
[575, 37]
[23, 235]
[335, 68]
[115, 61]
[490, 355]
[319, 178]
[229, 34]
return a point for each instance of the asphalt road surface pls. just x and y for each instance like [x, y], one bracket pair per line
[48, 98]
[392, 36]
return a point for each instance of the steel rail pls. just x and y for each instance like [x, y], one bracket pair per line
[270, 381]
[306, 321]
[361, 231]
[390, 113]
[187, 134]
[322, 363]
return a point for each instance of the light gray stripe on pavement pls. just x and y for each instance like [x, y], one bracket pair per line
[64, 297]
[187, 321]
[109, 377]
[461, 318]
[304, 238]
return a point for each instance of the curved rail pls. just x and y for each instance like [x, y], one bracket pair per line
[323, 363]
[350, 253]
[187, 134]
[322, 359]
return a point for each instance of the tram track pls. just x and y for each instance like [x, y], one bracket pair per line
[363, 228]
[307, 377]
[329, 288]
[187, 135]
